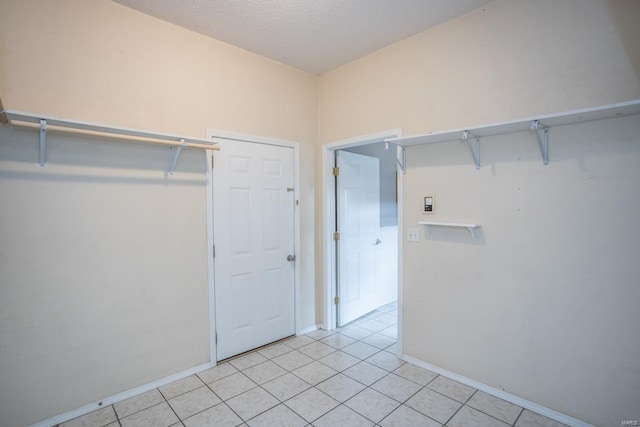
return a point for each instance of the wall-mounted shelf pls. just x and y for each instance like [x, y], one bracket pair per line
[175, 142]
[539, 125]
[470, 227]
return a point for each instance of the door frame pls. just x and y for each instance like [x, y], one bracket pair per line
[213, 134]
[329, 222]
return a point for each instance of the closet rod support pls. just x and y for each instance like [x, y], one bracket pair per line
[475, 153]
[43, 142]
[402, 159]
[472, 231]
[542, 133]
[3, 114]
[174, 157]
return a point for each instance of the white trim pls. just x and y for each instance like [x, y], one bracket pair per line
[308, 330]
[601, 112]
[328, 248]
[21, 116]
[90, 407]
[235, 136]
[363, 140]
[216, 134]
[296, 231]
[329, 224]
[210, 264]
[401, 233]
[501, 394]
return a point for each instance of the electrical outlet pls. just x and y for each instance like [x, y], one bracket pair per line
[413, 234]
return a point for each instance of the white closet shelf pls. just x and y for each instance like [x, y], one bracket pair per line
[470, 227]
[540, 125]
[173, 141]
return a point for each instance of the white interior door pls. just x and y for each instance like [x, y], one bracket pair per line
[253, 235]
[358, 219]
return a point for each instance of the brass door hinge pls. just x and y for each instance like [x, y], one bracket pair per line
[336, 171]
[336, 300]
[336, 236]
[212, 161]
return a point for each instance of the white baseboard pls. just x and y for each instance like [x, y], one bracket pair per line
[309, 329]
[121, 396]
[501, 394]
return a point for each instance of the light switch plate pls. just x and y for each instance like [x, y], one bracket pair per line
[413, 234]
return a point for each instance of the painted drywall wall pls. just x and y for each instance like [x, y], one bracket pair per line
[540, 305]
[104, 270]
[508, 60]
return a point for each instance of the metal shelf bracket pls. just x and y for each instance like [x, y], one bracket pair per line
[474, 152]
[543, 139]
[471, 228]
[402, 160]
[43, 142]
[173, 157]
[53, 124]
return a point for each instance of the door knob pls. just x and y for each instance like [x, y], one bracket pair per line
[378, 241]
[291, 258]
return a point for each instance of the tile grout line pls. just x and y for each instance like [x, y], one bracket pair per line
[317, 418]
[463, 404]
[117, 415]
[492, 416]
[169, 404]
[314, 340]
[518, 417]
[222, 402]
[283, 402]
[315, 386]
[367, 387]
[267, 391]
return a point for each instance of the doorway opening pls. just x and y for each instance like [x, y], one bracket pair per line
[363, 220]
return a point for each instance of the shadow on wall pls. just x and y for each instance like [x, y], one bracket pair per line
[3, 55]
[626, 15]
[575, 142]
[83, 158]
[458, 235]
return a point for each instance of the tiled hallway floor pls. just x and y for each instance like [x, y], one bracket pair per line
[348, 377]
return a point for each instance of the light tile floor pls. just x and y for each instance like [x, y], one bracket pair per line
[348, 377]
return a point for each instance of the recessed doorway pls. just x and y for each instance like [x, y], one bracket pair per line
[362, 201]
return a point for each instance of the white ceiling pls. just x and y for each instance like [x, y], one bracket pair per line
[312, 35]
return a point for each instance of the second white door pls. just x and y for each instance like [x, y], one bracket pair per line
[358, 220]
[253, 209]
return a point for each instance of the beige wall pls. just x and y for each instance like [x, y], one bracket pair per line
[542, 304]
[103, 258]
[508, 60]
